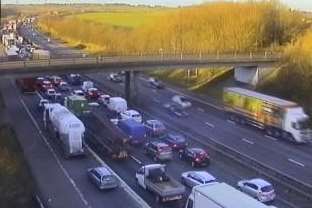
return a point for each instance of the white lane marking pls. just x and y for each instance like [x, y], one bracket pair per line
[271, 138]
[247, 141]
[39, 201]
[124, 185]
[296, 162]
[189, 96]
[83, 199]
[136, 160]
[210, 124]
[231, 122]
[201, 110]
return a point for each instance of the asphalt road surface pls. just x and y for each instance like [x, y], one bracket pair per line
[207, 121]
[62, 183]
[56, 49]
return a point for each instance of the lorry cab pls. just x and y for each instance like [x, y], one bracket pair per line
[135, 131]
[297, 124]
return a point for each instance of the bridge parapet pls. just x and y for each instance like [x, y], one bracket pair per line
[88, 62]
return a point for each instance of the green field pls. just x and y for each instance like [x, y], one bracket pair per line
[128, 19]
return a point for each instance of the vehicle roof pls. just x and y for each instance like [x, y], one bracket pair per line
[154, 122]
[132, 111]
[159, 144]
[267, 98]
[204, 174]
[259, 182]
[131, 122]
[196, 149]
[228, 197]
[78, 91]
[92, 89]
[76, 97]
[151, 166]
[103, 171]
[176, 136]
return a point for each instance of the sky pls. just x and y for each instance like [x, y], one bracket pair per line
[296, 4]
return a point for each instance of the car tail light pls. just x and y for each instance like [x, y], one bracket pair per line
[197, 159]
[174, 145]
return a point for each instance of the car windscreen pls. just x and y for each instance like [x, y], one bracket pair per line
[267, 188]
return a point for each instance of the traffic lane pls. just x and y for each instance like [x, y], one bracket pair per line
[41, 160]
[227, 172]
[77, 169]
[286, 150]
[207, 111]
[288, 159]
[53, 46]
[237, 141]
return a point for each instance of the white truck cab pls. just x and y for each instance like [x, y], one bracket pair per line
[131, 114]
[297, 124]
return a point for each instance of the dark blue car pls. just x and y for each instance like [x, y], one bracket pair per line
[176, 141]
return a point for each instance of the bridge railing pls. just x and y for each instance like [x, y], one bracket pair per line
[245, 58]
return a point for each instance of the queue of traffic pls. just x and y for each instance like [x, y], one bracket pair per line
[67, 102]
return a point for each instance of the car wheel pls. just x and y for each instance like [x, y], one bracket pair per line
[183, 181]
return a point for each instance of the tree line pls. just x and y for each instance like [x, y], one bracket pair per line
[221, 27]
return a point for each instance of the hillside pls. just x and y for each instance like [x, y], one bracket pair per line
[209, 28]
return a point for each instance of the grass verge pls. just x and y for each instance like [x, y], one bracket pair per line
[16, 185]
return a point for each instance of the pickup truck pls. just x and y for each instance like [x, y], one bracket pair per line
[153, 178]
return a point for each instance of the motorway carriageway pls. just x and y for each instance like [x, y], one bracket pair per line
[75, 169]
[222, 168]
[205, 123]
[172, 123]
[208, 122]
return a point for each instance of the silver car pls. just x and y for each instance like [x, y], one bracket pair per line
[103, 178]
[194, 178]
[258, 188]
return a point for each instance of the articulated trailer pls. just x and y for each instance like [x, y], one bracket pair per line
[108, 140]
[66, 127]
[279, 118]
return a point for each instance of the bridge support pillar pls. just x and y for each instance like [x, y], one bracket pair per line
[251, 75]
[128, 86]
[131, 89]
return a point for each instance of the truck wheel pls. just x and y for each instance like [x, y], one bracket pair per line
[290, 138]
[232, 117]
[158, 198]
[269, 132]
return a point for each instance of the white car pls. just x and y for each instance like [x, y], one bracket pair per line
[51, 92]
[104, 99]
[78, 92]
[194, 178]
[131, 114]
[258, 188]
[181, 101]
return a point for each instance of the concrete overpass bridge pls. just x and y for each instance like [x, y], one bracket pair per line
[247, 67]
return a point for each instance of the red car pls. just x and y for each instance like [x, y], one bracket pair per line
[44, 85]
[197, 156]
[93, 94]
